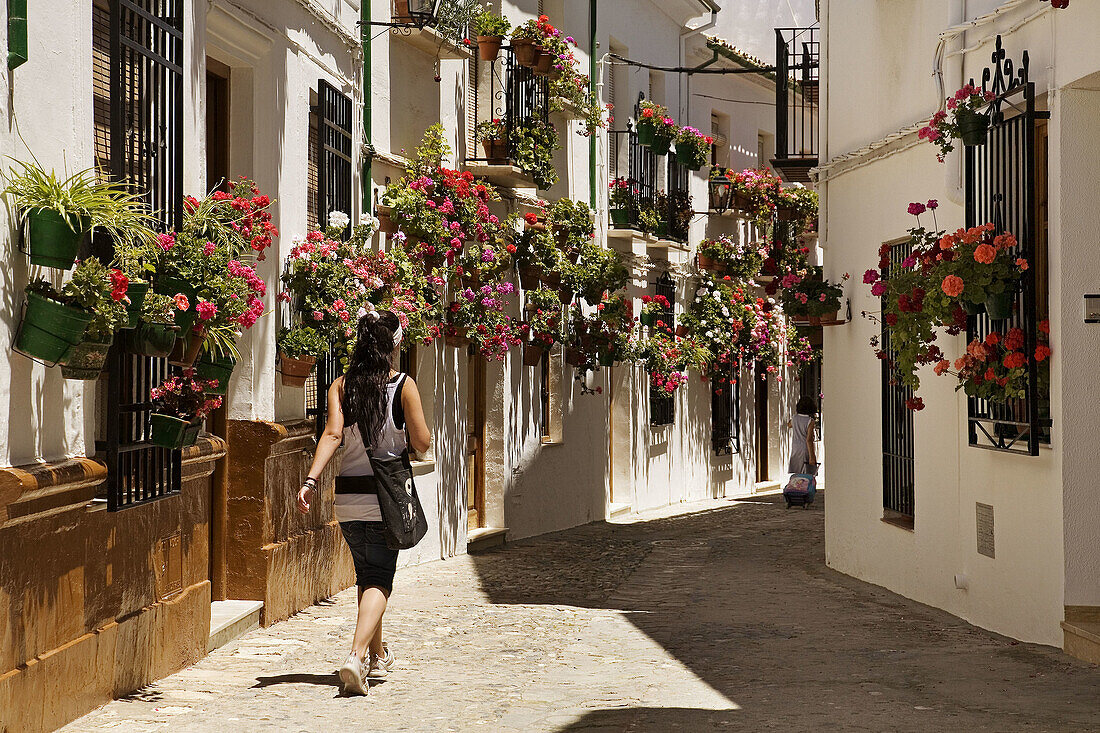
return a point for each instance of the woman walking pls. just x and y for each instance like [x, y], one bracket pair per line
[374, 411]
[804, 430]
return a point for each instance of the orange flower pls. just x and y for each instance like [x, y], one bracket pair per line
[953, 285]
[1015, 360]
[1021, 263]
[942, 367]
[1044, 326]
[1042, 351]
[985, 254]
[947, 242]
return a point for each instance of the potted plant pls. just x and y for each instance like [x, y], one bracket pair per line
[961, 120]
[491, 30]
[525, 39]
[57, 212]
[494, 139]
[156, 331]
[798, 204]
[663, 361]
[103, 293]
[721, 319]
[653, 307]
[52, 324]
[981, 270]
[650, 115]
[756, 194]
[623, 202]
[649, 220]
[995, 368]
[216, 366]
[180, 404]
[692, 147]
[479, 317]
[664, 133]
[598, 270]
[299, 348]
[809, 297]
[572, 224]
[542, 327]
[534, 141]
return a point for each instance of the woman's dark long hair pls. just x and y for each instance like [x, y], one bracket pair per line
[365, 381]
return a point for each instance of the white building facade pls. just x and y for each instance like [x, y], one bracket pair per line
[988, 521]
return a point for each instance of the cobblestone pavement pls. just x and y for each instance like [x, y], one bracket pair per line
[724, 618]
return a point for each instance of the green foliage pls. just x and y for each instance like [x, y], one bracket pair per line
[598, 269]
[740, 260]
[543, 317]
[528, 31]
[535, 142]
[89, 289]
[488, 23]
[301, 341]
[648, 219]
[571, 221]
[455, 17]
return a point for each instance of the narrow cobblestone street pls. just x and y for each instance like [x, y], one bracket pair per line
[723, 618]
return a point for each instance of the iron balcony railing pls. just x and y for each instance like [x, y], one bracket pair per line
[516, 95]
[797, 62]
[641, 172]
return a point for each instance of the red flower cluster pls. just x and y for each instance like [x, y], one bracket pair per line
[119, 284]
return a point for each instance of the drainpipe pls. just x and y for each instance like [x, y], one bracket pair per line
[952, 71]
[368, 148]
[594, 92]
[685, 100]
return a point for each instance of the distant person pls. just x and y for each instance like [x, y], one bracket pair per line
[804, 430]
[372, 407]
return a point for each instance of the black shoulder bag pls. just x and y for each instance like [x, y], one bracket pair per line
[402, 515]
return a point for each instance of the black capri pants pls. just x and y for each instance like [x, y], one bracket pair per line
[375, 562]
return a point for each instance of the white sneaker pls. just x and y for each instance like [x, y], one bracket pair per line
[381, 666]
[351, 674]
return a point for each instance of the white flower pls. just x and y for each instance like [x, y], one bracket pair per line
[338, 219]
[361, 312]
[369, 220]
[725, 311]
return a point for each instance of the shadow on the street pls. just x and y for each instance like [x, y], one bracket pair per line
[299, 678]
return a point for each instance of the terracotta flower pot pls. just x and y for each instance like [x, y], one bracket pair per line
[295, 370]
[829, 319]
[186, 349]
[574, 357]
[526, 51]
[532, 354]
[488, 47]
[682, 330]
[543, 62]
[551, 279]
[496, 150]
[709, 264]
[565, 295]
[530, 276]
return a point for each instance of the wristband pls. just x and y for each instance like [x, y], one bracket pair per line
[310, 482]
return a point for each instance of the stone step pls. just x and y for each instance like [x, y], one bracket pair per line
[485, 538]
[230, 619]
[1082, 640]
[615, 511]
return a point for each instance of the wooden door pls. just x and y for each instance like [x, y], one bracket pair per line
[475, 443]
[760, 389]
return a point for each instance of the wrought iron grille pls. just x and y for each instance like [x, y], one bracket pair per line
[797, 62]
[642, 168]
[145, 138]
[679, 212]
[1000, 188]
[725, 415]
[326, 372]
[516, 96]
[334, 165]
[898, 451]
[662, 407]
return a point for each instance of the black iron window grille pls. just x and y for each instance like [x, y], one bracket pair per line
[1001, 180]
[725, 415]
[898, 451]
[334, 120]
[138, 66]
[797, 62]
[544, 396]
[642, 169]
[515, 95]
[662, 406]
[679, 213]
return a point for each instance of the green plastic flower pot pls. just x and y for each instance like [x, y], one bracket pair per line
[686, 157]
[607, 358]
[646, 134]
[1001, 306]
[662, 229]
[648, 319]
[973, 127]
[51, 241]
[136, 293]
[972, 309]
[86, 359]
[661, 144]
[620, 218]
[50, 329]
[169, 431]
[220, 368]
[150, 339]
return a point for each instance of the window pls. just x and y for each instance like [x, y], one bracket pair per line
[544, 396]
[313, 162]
[897, 427]
[1002, 180]
[137, 111]
[662, 407]
[719, 130]
[725, 415]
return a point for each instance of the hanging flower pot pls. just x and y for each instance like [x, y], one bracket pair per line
[532, 354]
[972, 309]
[686, 158]
[646, 134]
[488, 47]
[1001, 306]
[543, 62]
[218, 368]
[186, 349]
[51, 242]
[136, 292]
[607, 358]
[565, 295]
[50, 329]
[829, 319]
[575, 357]
[648, 318]
[526, 51]
[386, 224]
[150, 339]
[661, 143]
[620, 218]
[295, 370]
[973, 126]
[169, 431]
[786, 213]
[496, 150]
[662, 229]
[682, 331]
[86, 359]
[708, 263]
[530, 276]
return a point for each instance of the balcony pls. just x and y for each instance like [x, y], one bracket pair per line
[669, 213]
[797, 61]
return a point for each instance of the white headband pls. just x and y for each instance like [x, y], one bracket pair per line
[397, 336]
